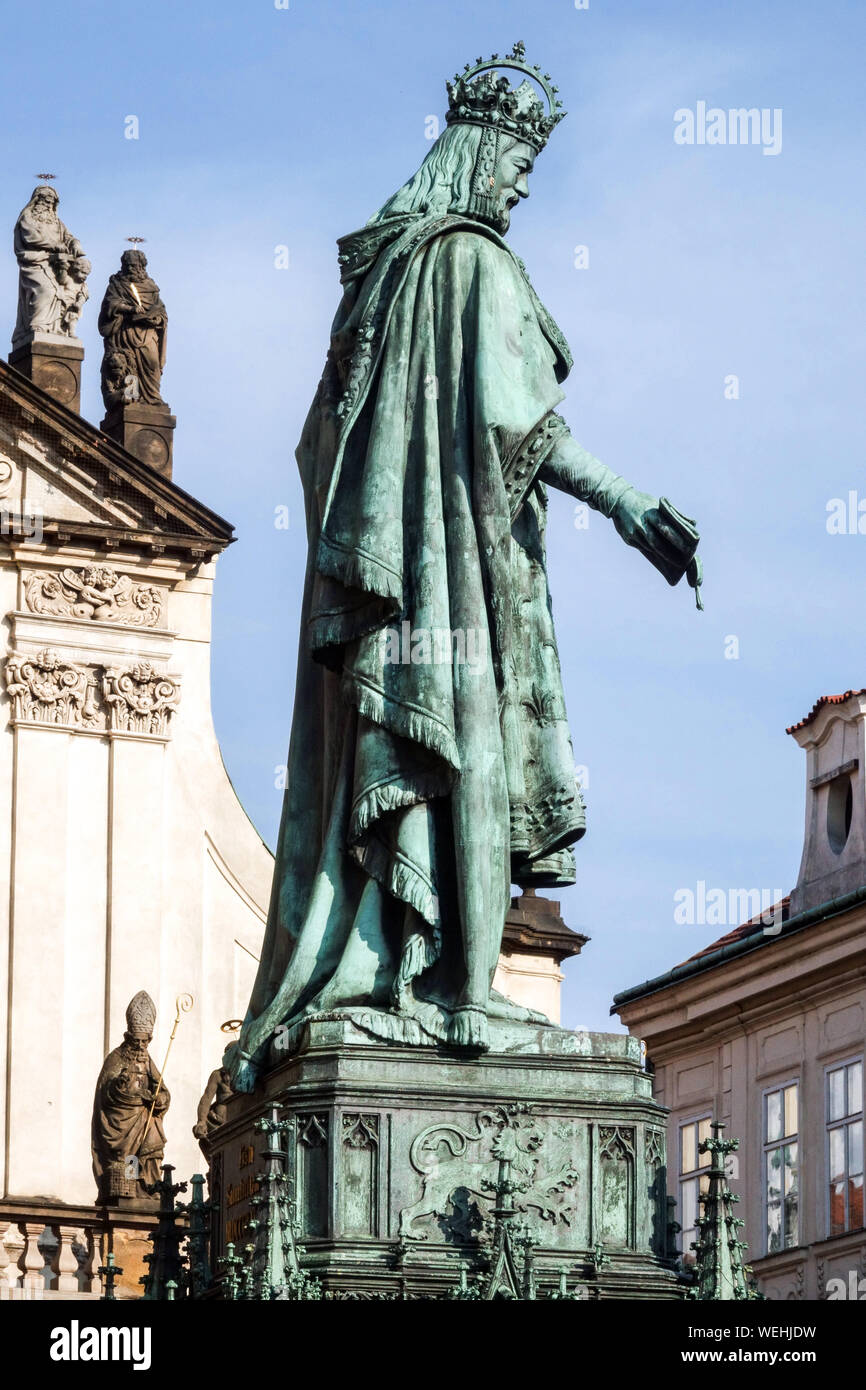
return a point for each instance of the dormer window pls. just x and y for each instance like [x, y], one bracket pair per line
[833, 737]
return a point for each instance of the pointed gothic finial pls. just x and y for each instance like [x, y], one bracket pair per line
[165, 1263]
[272, 1267]
[108, 1273]
[511, 1273]
[563, 1293]
[720, 1272]
[230, 1265]
[465, 1290]
[198, 1211]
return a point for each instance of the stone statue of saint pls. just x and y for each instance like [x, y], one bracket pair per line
[212, 1107]
[52, 270]
[430, 763]
[128, 1143]
[133, 322]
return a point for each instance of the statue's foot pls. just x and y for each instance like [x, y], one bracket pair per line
[468, 1028]
[500, 1007]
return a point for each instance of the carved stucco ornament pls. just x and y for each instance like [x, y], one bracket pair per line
[97, 592]
[140, 699]
[45, 688]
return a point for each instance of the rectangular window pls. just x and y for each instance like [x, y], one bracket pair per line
[845, 1147]
[781, 1176]
[693, 1181]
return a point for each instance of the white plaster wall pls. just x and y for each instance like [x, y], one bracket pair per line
[129, 864]
[8, 600]
[531, 980]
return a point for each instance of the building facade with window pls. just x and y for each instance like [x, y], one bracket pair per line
[765, 1030]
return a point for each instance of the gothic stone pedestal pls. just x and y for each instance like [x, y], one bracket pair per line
[391, 1149]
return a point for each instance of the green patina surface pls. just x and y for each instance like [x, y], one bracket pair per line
[432, 1126]
[395, 1158]
[431, 764]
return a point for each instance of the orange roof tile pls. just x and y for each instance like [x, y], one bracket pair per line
[819, 704]
[744, 929]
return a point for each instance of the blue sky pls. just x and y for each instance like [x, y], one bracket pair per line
[261, 127]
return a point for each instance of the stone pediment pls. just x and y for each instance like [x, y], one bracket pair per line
[62, 475]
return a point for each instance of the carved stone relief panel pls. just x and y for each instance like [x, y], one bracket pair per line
[46, 688]
[140, 699]
[458, 1164]
[96, 592]
[7, 475]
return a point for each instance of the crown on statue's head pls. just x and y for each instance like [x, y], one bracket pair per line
[480, 96]
[141, 1015]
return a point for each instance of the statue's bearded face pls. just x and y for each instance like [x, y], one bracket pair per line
[512, 180]
[134, 265]
[45, 205]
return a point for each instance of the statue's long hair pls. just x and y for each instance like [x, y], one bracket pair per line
[444, 181]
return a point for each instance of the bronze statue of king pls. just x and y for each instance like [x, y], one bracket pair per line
[430, 764]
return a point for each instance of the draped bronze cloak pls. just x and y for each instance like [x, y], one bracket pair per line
[419, 789]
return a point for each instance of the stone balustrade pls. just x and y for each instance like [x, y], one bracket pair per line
[55, 1250]
[40, 1259]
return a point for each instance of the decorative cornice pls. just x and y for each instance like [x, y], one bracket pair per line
[183, 524]
[535, 927]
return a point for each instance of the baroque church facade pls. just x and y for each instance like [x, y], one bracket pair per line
[127, 861]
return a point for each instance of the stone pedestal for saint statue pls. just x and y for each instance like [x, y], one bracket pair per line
[52, 361]
[394, 1154]
[147, 431]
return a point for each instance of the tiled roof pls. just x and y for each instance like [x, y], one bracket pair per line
[750, 936]
[819, 704]
[755, 924]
